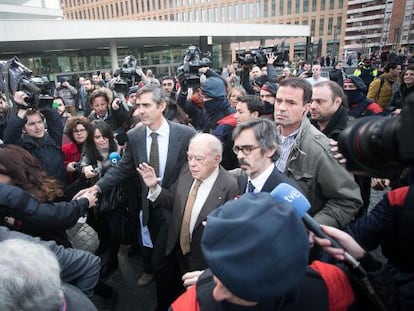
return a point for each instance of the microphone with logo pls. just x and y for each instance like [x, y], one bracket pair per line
[287, 194]
[114, 158]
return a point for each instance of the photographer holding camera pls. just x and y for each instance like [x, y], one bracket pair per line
[68, 93]
[27, 129]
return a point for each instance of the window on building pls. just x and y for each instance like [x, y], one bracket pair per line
[243, 9]
[305, 6]
[258, 9]
[177, 2]
[177, 17]
[236, 12]
[196, 17]
[203, 15]
[266, 8]
[313, 23]
[340, 4]
[209, 17]
[321, 26]
[304, 22]
[323, 5]
[281, 7]
[313, 5]
[274, 7]
[229, 13]
[331, 4]
[171, 3]
[107, 11]
[216, 15]
[251, 10]
[330, 25]
[297, 6]
[184, 17]
[223, 14]
[339, 23]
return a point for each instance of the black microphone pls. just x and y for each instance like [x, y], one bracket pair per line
[287, 194]
[121, 138]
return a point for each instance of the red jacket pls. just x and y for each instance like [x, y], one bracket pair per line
[70, 154]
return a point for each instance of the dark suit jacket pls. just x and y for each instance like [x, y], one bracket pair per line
[136, 153]
[224, 189]
[274, 179]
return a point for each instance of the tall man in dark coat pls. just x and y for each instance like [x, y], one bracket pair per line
[173, 142]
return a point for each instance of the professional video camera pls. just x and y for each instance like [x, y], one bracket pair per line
[258, 56]
[14, 76]
[377, 146]
[193, 60]
[127, 75]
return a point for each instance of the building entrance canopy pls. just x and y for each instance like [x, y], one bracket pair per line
[32, 36]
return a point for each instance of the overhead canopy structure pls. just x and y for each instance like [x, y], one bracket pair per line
[31, 36]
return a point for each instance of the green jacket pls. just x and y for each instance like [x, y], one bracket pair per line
[334, 195]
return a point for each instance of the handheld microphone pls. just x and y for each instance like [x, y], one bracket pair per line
[114, 157]
[121, 138]
[287, 194]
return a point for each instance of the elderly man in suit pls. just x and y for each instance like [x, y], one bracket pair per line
[163, 144]
[256, 147]
[203, 185]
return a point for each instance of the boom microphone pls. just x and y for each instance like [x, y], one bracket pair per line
[287, 194]
[114, 158]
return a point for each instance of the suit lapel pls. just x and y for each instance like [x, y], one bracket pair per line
[272, 181]
[214, 199]
[174, 146]
[242, 183]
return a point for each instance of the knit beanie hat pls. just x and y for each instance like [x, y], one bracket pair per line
[213, 87]
[270, 87]
[257, 247]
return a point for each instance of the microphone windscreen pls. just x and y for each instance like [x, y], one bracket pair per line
[114, 157]
[288, 194]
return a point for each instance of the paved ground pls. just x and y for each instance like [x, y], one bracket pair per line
[129, 295]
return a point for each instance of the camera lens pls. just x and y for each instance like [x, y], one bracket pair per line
[370, 145]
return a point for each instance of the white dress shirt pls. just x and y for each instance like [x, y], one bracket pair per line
[163, 142]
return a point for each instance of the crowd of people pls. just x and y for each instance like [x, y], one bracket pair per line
[185, 175]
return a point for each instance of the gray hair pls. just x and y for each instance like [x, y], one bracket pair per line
[158, 93]
[29, 277]
[265, 133]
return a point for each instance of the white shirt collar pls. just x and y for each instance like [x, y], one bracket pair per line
[260, 180]
[162, 131]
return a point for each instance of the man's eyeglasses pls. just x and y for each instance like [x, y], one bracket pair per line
[246, 149]
[79, 131]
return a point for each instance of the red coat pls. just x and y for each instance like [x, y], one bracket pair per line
[70, 154]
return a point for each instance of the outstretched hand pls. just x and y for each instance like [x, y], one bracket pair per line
[148, 175]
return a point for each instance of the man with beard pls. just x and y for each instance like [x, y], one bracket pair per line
[255, 144]
[328, 111]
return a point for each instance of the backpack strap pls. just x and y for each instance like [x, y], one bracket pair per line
[382, 80]
[340, 293]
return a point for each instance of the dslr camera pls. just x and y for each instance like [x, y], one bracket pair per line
[378, 146]
[14, 76]
[193, 60]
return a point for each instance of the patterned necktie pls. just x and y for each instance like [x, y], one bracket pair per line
[185, 225]
[154, 159]
[250, 187]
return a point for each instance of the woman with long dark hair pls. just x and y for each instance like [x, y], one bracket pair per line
[19, 168]
[94, 163]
